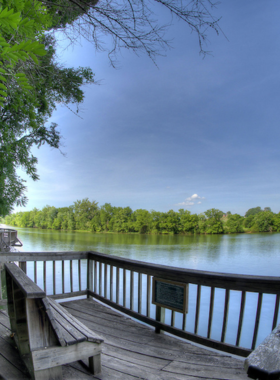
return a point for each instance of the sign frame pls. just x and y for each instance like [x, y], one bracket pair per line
[184, 308]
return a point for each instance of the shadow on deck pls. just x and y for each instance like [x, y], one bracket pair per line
[131, 351]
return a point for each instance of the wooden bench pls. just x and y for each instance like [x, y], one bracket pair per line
[46, 335]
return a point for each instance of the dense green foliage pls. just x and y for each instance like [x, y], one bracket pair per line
[88, 216]
[31, 84]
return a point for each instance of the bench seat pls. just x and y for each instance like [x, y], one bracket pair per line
[46, 334]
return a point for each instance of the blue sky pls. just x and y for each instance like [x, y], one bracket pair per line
[191, 133]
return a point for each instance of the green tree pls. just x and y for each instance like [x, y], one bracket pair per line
[234, 223]
[263, 222]
[121, 220]
[24, 120]
[84, 212]
[189, 222]
[276, 222]
[106, 214]
[253, 211]
[213, 221]
[142, 221]
[249, 221]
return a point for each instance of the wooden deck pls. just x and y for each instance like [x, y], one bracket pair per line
[131, 351]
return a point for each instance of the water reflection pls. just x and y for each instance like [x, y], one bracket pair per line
[241, 253]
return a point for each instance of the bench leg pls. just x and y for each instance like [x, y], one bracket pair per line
[95, 364]
[54, 373]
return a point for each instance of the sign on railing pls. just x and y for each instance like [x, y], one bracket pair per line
[170, 295]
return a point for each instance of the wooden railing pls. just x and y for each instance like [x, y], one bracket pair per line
[223, 308]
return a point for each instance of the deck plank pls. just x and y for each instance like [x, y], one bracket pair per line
[154, 353]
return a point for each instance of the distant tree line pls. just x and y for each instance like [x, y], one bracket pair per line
[85, 215]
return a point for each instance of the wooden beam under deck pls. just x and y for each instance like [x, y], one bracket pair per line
[131, 351]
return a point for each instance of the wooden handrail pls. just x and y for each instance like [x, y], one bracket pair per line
[250, 283]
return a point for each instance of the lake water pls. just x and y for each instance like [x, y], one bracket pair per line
[256, 254]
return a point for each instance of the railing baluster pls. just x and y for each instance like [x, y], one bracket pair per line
[212, 296]
[225, 316]
[89, 275]
[197, 308]
[63, 271]
[241, 315]
[118, 286]
[71, 276]
[276, 309]
[131, 289]
[140, 293]
[54, 282]
[95, 276]
[105, 280]
[172, 318]
[257, 321]
[80, 275]
[111, 282]
[100, 278]
[45, 276]
[148, 295]
[35, 272]
[124, 287]
[184, 321]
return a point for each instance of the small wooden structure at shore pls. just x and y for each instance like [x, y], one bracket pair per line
[126, 286]
[8, 239]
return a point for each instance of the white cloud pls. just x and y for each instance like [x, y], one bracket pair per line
[190, 201]
[186, 203]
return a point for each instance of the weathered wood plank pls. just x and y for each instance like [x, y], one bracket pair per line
[241, 316]
[212, 296]
[197, 311]
[201, 370]
[140, 293]
[55, 356]
[27, 286]
[111, 282]
[90, 335]
[225, 319]
[118, 286]
[124, 288]
[148, 300]
[8, 371]
[70, 372]
[276, 310]
[67, 330]
[258, 314]
[178, 332]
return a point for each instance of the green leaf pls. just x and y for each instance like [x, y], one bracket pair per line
[3, 86]
[3, 93]
[33, 56]
[3, 79]
[19, 75]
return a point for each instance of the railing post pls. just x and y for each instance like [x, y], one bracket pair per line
[160, 316]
